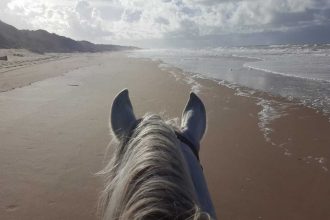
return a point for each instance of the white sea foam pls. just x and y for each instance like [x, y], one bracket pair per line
[195, 86]
[320, 161]
[267, 114]
[188, 78]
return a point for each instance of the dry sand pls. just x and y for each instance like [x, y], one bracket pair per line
[54, 132]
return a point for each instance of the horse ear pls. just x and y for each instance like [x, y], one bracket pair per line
[122, 115]
[193, 123]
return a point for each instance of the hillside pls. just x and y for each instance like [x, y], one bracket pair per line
[42, 41]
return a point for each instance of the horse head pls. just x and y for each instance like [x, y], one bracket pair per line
[151, 150]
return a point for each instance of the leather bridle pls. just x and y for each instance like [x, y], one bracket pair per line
[187, 142]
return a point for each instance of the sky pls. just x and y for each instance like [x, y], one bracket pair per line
[175, 23]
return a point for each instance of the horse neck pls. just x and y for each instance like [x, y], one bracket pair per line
[149, 177]
[198, 179]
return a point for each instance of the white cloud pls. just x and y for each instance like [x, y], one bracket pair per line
[136, 20]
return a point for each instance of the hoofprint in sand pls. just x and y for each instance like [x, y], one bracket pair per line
[263, 157]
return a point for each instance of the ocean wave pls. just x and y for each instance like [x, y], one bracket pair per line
[250, 66]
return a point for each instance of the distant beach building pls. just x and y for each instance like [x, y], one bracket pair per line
[4, 58]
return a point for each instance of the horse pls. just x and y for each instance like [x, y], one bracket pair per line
[154, 172]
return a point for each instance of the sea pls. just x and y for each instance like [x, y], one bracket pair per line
[295, 72]
[298, 74]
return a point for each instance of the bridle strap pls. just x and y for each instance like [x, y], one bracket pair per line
[186, 141]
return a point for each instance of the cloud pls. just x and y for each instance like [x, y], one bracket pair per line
[162, 20]
[120, 21]
[132, 15]
[85, 22]
[77, 19]
[84, 10]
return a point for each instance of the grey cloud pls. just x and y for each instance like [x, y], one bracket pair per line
[162, 20]
[85, 23]
[191, 12]
[50, 13]
[132, 16]
[82, 30]
[188, 29]
[111, 13]
[3, 4]
[321, 3]
[84, 9]
[308, 17]
[307, 35]
[214, 2]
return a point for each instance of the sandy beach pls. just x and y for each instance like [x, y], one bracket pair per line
[54, 132]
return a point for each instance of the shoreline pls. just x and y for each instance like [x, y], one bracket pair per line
[236, 73]
[54, 136]
[276, 106]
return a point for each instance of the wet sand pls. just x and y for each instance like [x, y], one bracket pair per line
[54, 132]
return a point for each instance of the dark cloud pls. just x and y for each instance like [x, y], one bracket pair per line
[306, 35]
[321, 3]
[309, 17]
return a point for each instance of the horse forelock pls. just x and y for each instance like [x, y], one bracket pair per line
[147, 177]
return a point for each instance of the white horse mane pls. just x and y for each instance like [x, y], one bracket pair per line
[148, 178]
